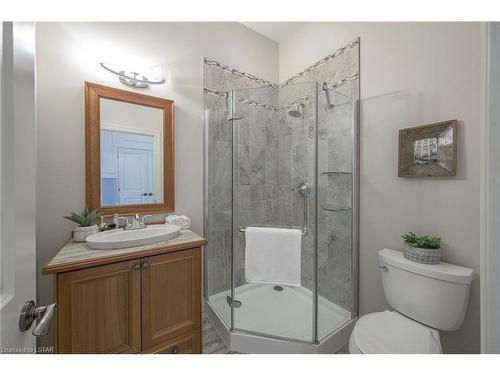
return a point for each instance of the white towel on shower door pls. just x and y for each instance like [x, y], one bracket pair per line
[272, 256]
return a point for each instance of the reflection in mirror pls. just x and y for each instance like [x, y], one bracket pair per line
[131, 138]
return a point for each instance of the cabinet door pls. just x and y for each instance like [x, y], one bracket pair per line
[99, 309]
[171, 296]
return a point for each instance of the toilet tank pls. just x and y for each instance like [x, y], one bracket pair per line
[432, 294]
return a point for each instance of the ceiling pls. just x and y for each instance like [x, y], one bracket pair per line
[277, 31]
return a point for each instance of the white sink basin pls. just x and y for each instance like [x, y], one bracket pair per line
[119, 238]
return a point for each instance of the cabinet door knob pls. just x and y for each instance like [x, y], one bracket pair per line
[175, 350]
[137, 267]
[145, 265]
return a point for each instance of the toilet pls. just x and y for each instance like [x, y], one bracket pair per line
[426, 299]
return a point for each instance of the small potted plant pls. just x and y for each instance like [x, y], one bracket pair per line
[422, 249]
[86, 224]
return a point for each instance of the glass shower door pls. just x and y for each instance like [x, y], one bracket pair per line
[337, 211]
[274, 153]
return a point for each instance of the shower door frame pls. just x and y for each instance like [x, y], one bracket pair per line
[355, 207]
[315, 243]
[231, 99]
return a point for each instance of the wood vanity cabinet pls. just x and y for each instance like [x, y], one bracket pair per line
[149, 304]
[171, 296]
[99, 309]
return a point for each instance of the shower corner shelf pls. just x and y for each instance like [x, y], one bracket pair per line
[334, 172]
[336, 209]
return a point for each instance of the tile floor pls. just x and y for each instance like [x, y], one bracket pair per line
[211, 342]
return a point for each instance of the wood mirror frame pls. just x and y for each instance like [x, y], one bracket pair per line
[93, 94]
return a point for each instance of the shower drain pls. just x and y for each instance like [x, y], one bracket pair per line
[278, 288]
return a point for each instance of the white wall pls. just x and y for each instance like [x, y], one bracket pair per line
[68, 54]
[18, 178]
[490, 298]
[411, 74]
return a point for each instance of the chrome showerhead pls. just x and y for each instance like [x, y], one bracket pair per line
[296, 112]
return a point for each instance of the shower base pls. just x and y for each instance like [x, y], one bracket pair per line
[271, 321]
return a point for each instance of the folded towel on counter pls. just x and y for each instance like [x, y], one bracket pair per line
[181, 220]
[272, 256]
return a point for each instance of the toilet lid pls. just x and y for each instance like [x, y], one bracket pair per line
[389, 332]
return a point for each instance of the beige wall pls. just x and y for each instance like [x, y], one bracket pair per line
[490, 264]
[411, 74]
[68, 54]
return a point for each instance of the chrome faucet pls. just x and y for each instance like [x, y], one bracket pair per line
[116, 221]
[136, 223]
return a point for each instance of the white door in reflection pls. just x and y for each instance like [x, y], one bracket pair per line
[135, 176]
[127, 168]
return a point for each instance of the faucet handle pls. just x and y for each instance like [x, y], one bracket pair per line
[143, 219]
[127, 223]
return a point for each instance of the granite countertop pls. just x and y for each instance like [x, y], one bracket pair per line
[78, 253]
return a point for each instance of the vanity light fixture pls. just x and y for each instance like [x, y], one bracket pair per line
[133, 79]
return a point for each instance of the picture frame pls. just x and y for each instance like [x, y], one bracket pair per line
[428, 150]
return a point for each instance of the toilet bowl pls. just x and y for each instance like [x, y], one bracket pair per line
[390, 332]
[426, 298]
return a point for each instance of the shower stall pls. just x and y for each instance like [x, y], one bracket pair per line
[282, 156]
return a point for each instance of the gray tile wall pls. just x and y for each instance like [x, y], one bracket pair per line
[335, 148]
[249, 170]
[301, 153]
[218, 226]
[273, 152]
[255, 169]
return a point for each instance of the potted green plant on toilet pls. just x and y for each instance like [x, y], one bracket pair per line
[422, 249]
[86, 224]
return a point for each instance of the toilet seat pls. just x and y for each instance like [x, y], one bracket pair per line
[390, 332]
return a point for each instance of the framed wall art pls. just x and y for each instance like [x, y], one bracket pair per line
[428, 150]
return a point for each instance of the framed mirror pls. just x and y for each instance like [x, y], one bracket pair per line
[129, 151]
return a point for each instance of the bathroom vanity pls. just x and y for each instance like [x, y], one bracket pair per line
[143, 299]
[140, 299]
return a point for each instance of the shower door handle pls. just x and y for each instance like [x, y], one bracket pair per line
[306, 212]
[304, 189]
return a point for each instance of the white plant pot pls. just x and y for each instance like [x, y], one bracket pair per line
[81, 233]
